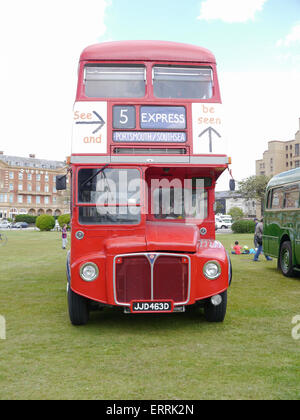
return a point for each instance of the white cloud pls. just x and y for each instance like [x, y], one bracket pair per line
[259, 107]
[291, 38]
[40, 46]
[230, 11]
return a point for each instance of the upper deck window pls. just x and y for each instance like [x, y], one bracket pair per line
[115, 81]
[180, 82]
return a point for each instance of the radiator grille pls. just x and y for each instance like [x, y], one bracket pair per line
[154, 276]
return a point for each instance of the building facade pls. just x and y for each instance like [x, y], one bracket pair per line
[281, 156]
[27, 186]
[226, 200]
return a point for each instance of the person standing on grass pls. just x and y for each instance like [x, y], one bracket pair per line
[258, 235]
[64, 236]
[255, 240]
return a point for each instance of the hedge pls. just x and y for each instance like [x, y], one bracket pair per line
[45, 222]
[243, 226]
[28, 218]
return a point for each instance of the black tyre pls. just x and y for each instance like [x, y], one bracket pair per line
[216, 313]
[78, 308]
[286, 259]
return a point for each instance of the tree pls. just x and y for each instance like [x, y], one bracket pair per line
[254, 187]
[220, 208]
[64, 219]
[236, 213]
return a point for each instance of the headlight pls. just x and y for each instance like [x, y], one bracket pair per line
[89, 271]
[212, 270]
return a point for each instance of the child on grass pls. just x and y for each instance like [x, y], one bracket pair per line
[64, 237]
[236, 249]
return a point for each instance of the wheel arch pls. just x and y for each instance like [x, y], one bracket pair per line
[287, 238]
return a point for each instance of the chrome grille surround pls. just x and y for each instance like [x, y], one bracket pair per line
[156, 255]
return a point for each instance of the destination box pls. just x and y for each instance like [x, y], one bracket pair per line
[163, 117]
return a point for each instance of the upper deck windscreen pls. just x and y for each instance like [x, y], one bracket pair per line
[182, 82]
[114, 81]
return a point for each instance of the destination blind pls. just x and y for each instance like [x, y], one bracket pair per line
[148, 137]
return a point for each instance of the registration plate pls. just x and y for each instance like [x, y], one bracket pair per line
[145, 306]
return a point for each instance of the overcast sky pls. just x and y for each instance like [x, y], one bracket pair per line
[256, 44]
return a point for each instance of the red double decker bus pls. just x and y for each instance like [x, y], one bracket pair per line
[147, 150]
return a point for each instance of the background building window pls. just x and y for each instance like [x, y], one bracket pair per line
[3, 198]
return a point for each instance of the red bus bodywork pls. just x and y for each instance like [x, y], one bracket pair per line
[154, 260]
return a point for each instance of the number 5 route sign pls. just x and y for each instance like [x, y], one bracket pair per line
[208, 131]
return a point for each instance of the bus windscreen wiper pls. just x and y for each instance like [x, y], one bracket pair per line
[94, 175]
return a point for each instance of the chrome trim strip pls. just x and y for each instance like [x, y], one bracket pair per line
[150, 159]
[157, 254]
[270, 236]
[199, 160]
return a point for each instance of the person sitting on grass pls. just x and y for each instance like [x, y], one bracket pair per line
[236, 249]
[246, 250]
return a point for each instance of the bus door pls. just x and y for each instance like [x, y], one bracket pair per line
[291, 205]
[297, 240]
[276, 221]
[297, 233]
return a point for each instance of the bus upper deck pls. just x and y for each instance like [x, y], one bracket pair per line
[148, 101]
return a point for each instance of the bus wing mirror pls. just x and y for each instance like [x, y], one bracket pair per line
[232, 185]
[61, 182]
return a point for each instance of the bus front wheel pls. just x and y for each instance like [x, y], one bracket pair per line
[78, 308]
[286, 259]
[217, 313]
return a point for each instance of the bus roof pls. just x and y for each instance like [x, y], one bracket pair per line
[147, 51]
[285, 178]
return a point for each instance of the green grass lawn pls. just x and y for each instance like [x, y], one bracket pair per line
[252, 355]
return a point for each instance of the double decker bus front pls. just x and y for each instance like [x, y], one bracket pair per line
[146, 155]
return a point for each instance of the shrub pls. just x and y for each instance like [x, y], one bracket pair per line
[243, 226]
[45, 222]
[28, 218]
[64, 219]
